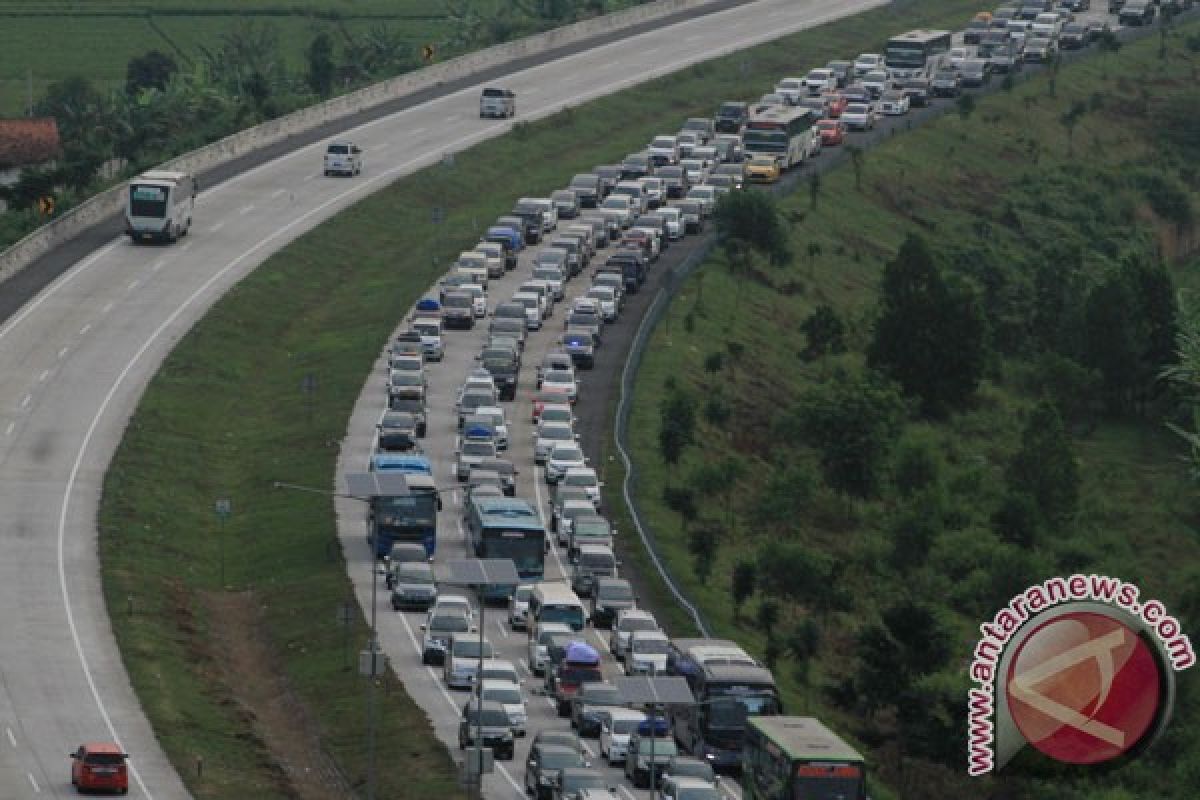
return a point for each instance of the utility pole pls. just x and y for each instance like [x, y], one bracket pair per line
[29, 89]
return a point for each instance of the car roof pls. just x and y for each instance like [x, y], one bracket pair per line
[102, 747]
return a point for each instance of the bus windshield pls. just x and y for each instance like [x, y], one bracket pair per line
[525, 548]
[769, 141]
[147, 201]
[413, 510]
[732, 714]
[905, 56]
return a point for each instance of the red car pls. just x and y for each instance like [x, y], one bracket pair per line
[833, 131]
[836, 104]
[99, 765]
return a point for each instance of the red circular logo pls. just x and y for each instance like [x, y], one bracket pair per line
[1084, 688]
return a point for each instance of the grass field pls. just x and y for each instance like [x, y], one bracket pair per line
[225, 417]
[1138, 505]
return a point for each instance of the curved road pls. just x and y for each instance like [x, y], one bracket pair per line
[76, 358]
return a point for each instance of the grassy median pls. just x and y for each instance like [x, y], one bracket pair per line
[261, 389]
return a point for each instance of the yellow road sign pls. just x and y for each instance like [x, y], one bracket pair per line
[427, 53]
[46, 205]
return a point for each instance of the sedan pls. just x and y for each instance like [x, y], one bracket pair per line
[833, 131]
[550, 435]
[859, 117]
[562, 457]
[763, 169]
[894, 104]
[562, 381]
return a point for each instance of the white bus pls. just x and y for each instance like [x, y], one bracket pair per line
[160, 205]
[787, 134]
[910, 55]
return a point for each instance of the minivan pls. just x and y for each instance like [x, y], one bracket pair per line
[555, 602]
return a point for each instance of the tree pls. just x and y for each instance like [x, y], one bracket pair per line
[814, 189]
[965, 106]
[704, 540]
[911, 641]
[753, 220]
[793, 571]
[852, 420]
[150, 71]
[785, 496]
[85, 124]
[1018, 519]
[1044, 467]
[1069, 120]
[320, 64]
[857, 156]
[745, 575]
[1185, 374]
[803, 641]
[681, 500]
[825, 332]
[929, 337]
[677, 425]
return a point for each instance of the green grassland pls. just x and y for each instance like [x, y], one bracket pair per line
[995, 194]
[226, 416]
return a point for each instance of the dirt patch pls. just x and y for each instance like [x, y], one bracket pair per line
[256, 679]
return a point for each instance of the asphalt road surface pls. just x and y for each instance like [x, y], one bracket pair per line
[76, 358]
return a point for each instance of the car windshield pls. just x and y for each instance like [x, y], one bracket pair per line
[483, 449]
[338, 149]
[615, 591]
[450, 623]
[631, 624]
[648, 647]
[602, 695]
[696, 793]
[414, 573]
[556, 414]
[662, 748]
[491, 717]
[469, 648]
[547, 274]
[558, 433]
[572, 454]
[560, 759]
[583, 780]
[626, 725]
[505, 695]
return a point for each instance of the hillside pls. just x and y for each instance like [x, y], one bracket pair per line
[1053, 230]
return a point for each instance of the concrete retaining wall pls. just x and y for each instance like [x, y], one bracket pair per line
[111, 202]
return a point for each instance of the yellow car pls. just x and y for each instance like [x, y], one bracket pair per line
[762, 169]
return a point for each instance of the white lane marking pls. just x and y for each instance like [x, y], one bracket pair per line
[11, 739]
[523, 664]
[277, 193]
[628, 794]
[520, 789]
[12, 426]
[694, 38]
[26, 401]
[45, 374]
[157, 265]
[500, 627]
[587, 749]
[66, 278]
[307, 178]
[216, 227]
[107, 307]
[133, 284]
[731, 788]
[83, 331]
[453, 118]
[63, 352]
[33, 782]
[599, 639]
[185, 247]
[244, 210]
[647, 52]
[416, 131]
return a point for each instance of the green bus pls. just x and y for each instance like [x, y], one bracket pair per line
[798, 758]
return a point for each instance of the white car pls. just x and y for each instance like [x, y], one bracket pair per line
[674, 219]
[820, 80]
[616, 726]
[704, 195]
[480, 380]
[495, 415]
[518, 606]
[664, 149]
[479, 303]
[499, 669]
[452, 603]
[548, 436]
[606, 296]
[493, 260]
[533, 309]
[538, 642]
[628, 621]
[894, 104]
[696, 169]
[564, 516]
[584, 478]
[877, 81]
[406, 362]
[859, 117]
[867, 62]
[343, 158]
[647, 653]
[656, 191]
[508, 696]
[1048, 25]
[792, 89]
[557, 412]
[563, 456]
[958, 55]
[462, 659]
[553, 277]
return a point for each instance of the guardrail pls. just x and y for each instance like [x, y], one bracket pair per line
[111, 201]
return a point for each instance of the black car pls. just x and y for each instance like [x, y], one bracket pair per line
[611, 596]
[458, 310]
[575, 780]
[636, 165]
[413, 586]
[1073, 37]
[490, 720]
[916, 89]
[504, 366]
[543, 766]
[730, 117]
[1137, 12]
[398, 431]
[531, 221]
[592, 696]
[609, 175]
[675, 180]
[973, 33]
[413, 404]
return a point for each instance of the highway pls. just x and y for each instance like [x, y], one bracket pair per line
[77, 357]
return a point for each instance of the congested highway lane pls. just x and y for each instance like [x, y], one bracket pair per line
[77, 357]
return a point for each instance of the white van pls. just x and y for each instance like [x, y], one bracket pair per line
[555, 602]
[160, 205]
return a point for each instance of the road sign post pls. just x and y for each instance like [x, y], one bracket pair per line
[223, 508]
